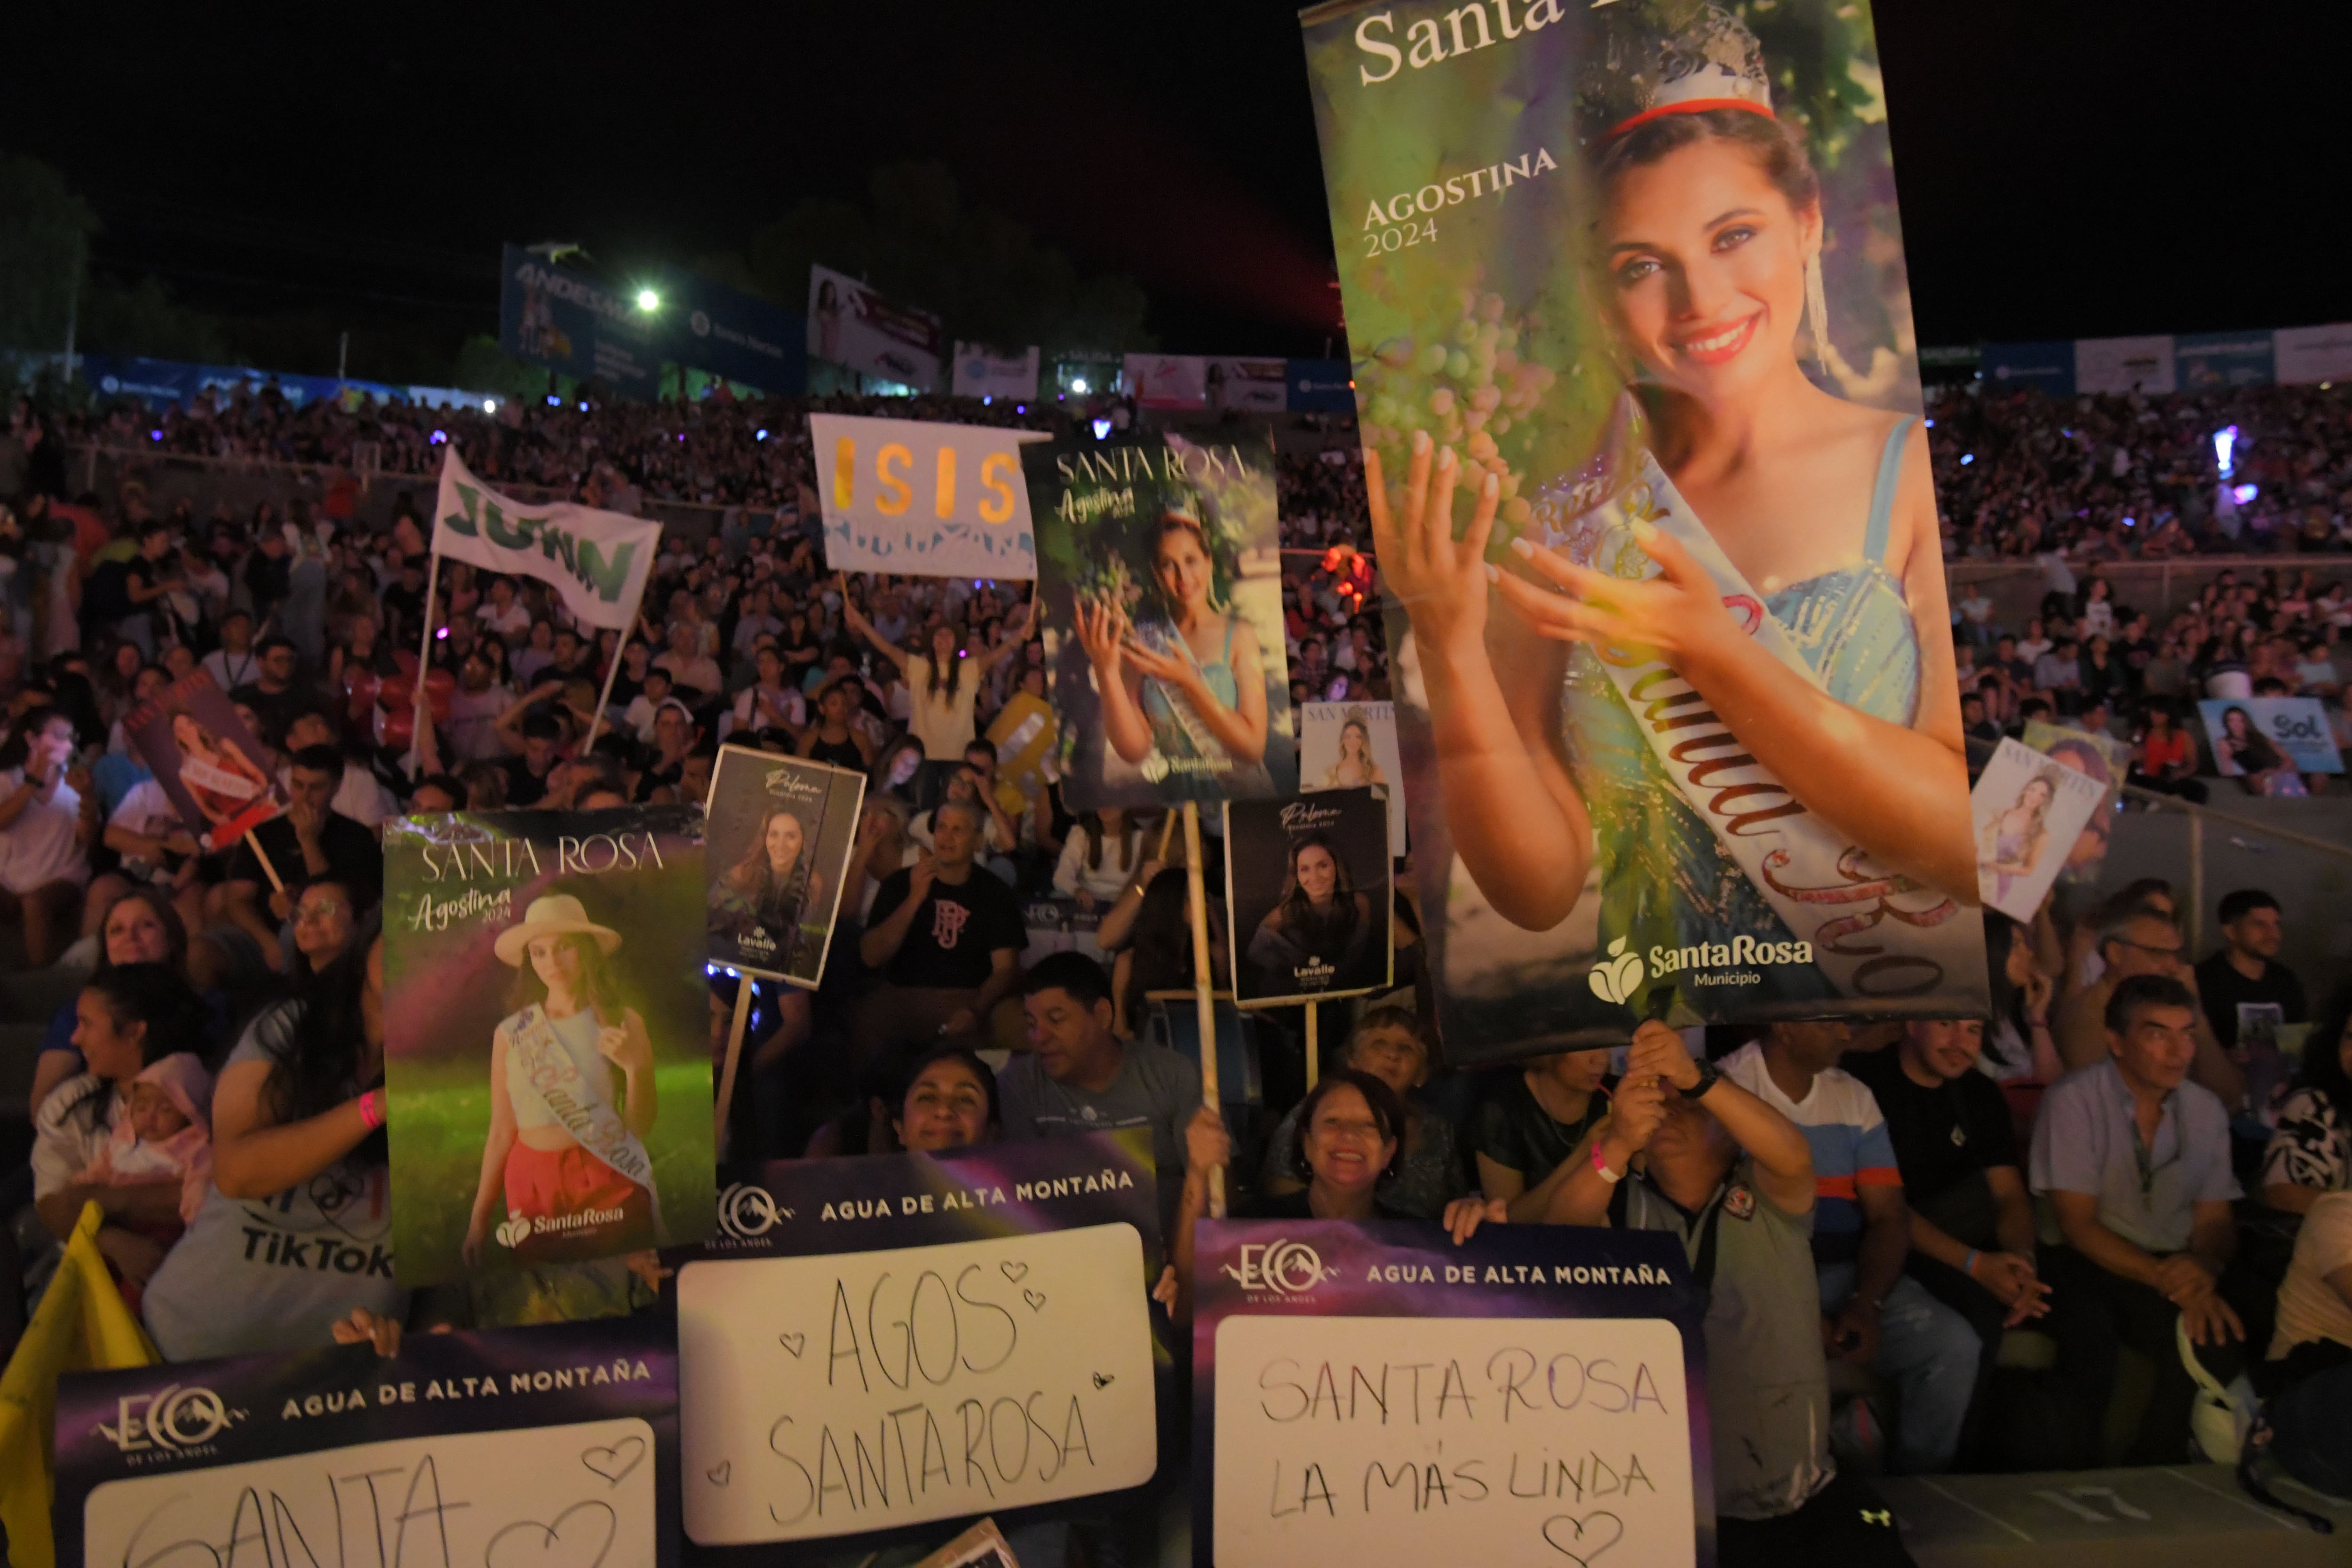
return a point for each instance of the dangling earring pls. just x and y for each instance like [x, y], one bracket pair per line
[1817, 310]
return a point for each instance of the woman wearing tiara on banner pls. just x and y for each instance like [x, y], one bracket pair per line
[1730, 683]
[1183, 688]
[572, 1097]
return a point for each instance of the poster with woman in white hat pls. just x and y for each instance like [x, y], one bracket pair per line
[547, 1059]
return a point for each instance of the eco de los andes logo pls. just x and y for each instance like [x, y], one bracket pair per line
[747, 1212]
[1279, 1267]
[173, 1420]
[1615, 978]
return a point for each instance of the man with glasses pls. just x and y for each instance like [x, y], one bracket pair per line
[2134, 942]
[2135, 1161]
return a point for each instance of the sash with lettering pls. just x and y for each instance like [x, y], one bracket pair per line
[564, 1093]
[1826, 891]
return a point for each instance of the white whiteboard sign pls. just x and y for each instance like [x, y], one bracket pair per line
[551, 1497]
[1358, 1440]
[851, 1392]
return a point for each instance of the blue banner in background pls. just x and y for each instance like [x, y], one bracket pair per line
[162, 382]
[2046, 367]
[713, 327]
[2203, 362]
[555, 317]
[1321, 386]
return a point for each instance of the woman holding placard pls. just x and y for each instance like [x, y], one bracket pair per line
[565, 1148]
[1745, 646]
[1350, 1135]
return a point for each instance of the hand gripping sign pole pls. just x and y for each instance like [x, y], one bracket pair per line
[1204, 981]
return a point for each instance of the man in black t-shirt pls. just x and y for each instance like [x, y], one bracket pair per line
[311, 841]
[1973, 1239]
[2246, 972]
[275, 694]
[947, 934]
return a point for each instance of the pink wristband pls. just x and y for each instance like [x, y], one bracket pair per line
[1600, 1166]
[372, 1109]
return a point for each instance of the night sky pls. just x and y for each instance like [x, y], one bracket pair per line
[2068, 167]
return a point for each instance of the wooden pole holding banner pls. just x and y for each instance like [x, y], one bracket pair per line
[1203, 988]
[734, 1051]
[1314, 1054]
[597, 719]
[424, 654]
[253, 842]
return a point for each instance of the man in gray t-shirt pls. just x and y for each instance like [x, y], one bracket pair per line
[1688, 1151]
[1079, 1077]
[2135, 1161]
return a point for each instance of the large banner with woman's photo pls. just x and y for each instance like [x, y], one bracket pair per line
[1651, 498]
[1160, 587]
[547, 1037]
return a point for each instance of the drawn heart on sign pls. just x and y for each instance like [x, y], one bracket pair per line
[1583, 1558]
[1016, 1272]
[1103, 1380]
[580, 1537]
[721, 1471]
[792, 1342]
[616, 1461]
[1036, 1300]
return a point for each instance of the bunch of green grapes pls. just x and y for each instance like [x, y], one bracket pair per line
[1465, 384]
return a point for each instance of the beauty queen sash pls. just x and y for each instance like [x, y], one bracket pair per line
[218, 780]
[1874, 934]
[551, 1075]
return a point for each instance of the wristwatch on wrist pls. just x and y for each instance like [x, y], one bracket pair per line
[1707, 1078]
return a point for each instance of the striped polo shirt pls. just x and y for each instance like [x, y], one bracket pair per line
[1841, 1120]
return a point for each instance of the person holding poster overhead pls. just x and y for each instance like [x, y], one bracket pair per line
[564, 1146]
[1688, 1151]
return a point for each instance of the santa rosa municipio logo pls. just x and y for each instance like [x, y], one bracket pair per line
[1619, 975]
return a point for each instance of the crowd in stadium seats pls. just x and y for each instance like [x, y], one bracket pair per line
[2107, 1154]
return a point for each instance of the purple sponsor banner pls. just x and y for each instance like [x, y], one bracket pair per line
[880, 1349]
[511, 1449]
[1535, 1393]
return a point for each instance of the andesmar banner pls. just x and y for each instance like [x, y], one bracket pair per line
[1680, 733]
[598, 560]
[549, 315]
[910, 495]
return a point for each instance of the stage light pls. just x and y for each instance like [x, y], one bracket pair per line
[583, 408]
[1967, 458]
[1079, 386]
[1102, 429]
[760, 436]
[2225, 449]
[985, 400]
[439, 437]
[154, 435]
[1020, 408]
[1931, 424]
[2244, 494]
[553, 401]
[2131, 523]
[648, 300]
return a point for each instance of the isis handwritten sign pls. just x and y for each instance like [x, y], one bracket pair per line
[878, 1345]
[1374, 1394]
[519, 1448]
